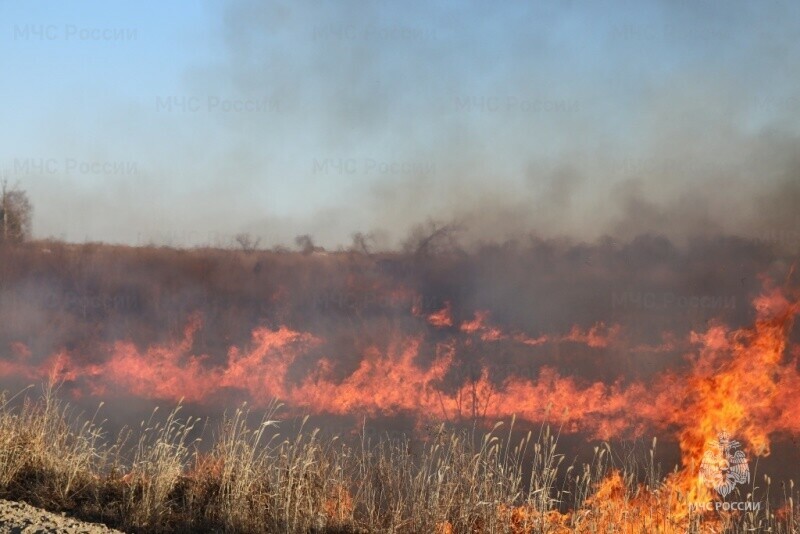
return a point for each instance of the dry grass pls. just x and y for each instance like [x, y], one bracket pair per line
[160, 478]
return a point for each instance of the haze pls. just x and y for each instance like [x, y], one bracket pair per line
[189, 123]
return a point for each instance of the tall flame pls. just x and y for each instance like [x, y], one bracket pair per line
[744, 381]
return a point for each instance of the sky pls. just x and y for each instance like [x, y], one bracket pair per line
[189, 122]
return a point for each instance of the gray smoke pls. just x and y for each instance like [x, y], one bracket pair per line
[326, 118]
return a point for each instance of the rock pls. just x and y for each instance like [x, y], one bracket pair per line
[21, 518]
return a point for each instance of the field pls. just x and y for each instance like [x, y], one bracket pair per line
[459, 383]
[154, 478]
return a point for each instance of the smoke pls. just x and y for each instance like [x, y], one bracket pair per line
[555, 119]
[427, 117]
[627, 180]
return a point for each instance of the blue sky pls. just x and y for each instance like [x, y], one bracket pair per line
[188, 122]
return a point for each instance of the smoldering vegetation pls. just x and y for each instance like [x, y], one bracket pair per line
[74, 297]
[81, 298]
[633, 304]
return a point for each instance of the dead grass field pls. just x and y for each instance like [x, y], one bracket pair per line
[251, 478]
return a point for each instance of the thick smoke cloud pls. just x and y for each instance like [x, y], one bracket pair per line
[560, 119]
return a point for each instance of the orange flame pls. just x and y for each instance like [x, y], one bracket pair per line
[745, 381]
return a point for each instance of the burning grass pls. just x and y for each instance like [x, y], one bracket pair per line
[395, 357]
[160, 477]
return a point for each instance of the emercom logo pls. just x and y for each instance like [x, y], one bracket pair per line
[723, 468]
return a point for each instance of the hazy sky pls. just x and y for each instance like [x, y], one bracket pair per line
[186, 122]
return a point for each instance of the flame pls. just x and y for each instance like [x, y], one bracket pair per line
[740, 380]
[745, 381]
[597, 336]
[480, 327]
[339, 506]
[443, 317]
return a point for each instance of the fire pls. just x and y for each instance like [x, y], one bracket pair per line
[339, 506]
[744, 381]
[443, 317]
[741, 381]
[597, 336]
[479, 326]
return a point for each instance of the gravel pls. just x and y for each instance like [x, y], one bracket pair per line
[18, 518]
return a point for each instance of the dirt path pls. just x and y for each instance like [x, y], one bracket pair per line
[19, 518]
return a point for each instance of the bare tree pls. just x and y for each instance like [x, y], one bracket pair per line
[362, 243]
[432, 238]
[306, 244]
[247, 242]
[15, 214]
